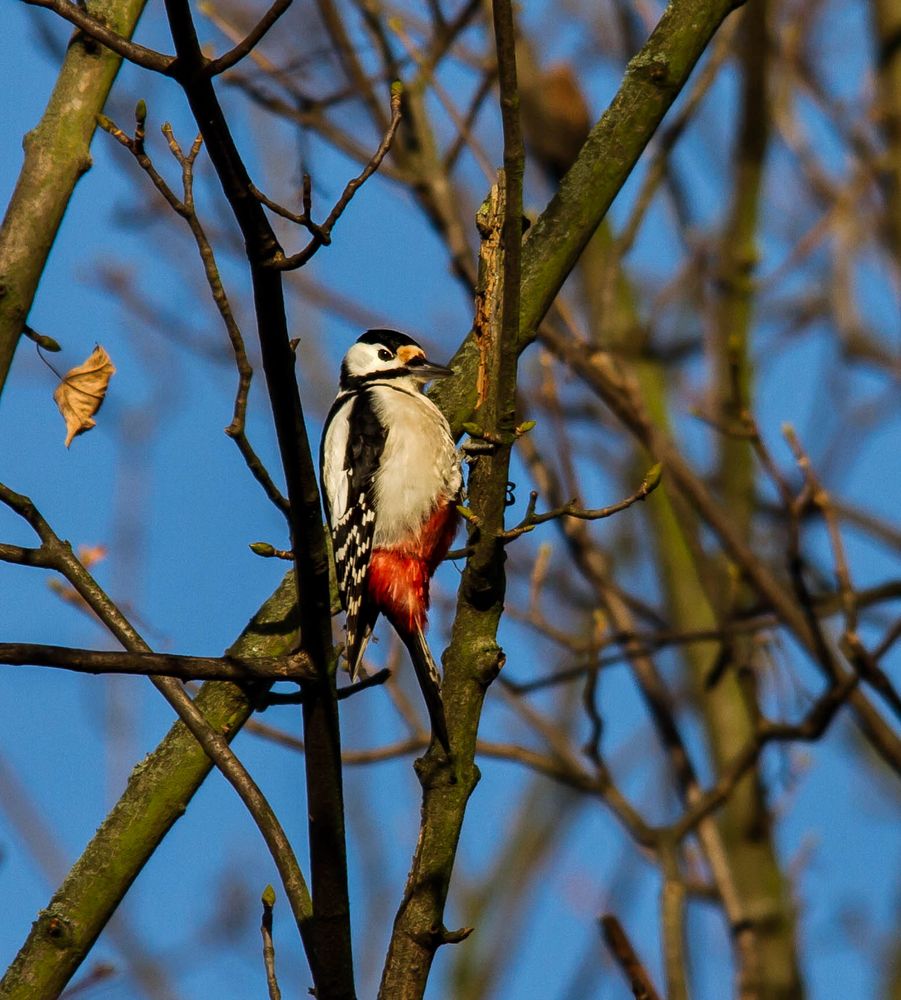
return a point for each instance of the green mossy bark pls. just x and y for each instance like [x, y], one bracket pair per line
[158, 792]
[162, 786]
[691, 585]
[731, 709]
[57, 153]
[471, 661]
[555, 242]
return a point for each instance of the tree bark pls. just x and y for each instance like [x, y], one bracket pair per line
[158, 792]
[57, 154]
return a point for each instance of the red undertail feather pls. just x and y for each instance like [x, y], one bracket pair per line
[398, 579]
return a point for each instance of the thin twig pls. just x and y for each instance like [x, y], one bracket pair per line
[811, 727]
[321, 235]
[856, 653]
[572, 509]
[621, 948]
[426, 70]
[297, 697]
[184, 207]
[253, 38]
[268, 901]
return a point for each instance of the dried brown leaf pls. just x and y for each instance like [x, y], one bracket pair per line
[81, 392]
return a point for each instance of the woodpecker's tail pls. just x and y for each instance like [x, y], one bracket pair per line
[359, 629]
[430, 683]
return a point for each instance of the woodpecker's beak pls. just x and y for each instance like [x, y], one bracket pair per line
[422, 368]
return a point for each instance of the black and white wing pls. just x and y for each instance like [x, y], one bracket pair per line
[352, 446]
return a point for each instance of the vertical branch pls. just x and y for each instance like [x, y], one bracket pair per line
[672, 919]
[268, 901]
[333, 961]
[731, 708]
[473, 658]
[514, 165]
[887, 22]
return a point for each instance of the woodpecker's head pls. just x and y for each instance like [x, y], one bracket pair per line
[383, 355]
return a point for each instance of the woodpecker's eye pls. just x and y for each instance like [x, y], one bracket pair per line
[385, 355]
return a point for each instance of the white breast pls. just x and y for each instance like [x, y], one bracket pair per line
[419, 466]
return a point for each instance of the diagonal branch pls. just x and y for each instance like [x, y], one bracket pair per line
[157, 794]
[253, 38]
[474, 657]
[59, 556]
[56, 156]
[627, 959]
[140, 55]
[331, 953]
[322, 233]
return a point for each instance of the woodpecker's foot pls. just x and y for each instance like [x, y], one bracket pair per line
[471, 449]
[483, 441]
[436, 766]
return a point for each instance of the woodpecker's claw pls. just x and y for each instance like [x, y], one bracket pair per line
[471, 449]
[492, 439]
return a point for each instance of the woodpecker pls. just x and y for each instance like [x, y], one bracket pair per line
[391, 478]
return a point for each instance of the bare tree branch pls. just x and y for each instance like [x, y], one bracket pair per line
[622, 950]
[206, 668]
[140, 55]
[250, 42]
[60, 557]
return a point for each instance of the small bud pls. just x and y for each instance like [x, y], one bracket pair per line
[141, 112]
[525, 427]
[652, 479]
[263, 549]
[467, 514]
[41, 339]
[397, 88]
[268, 897]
